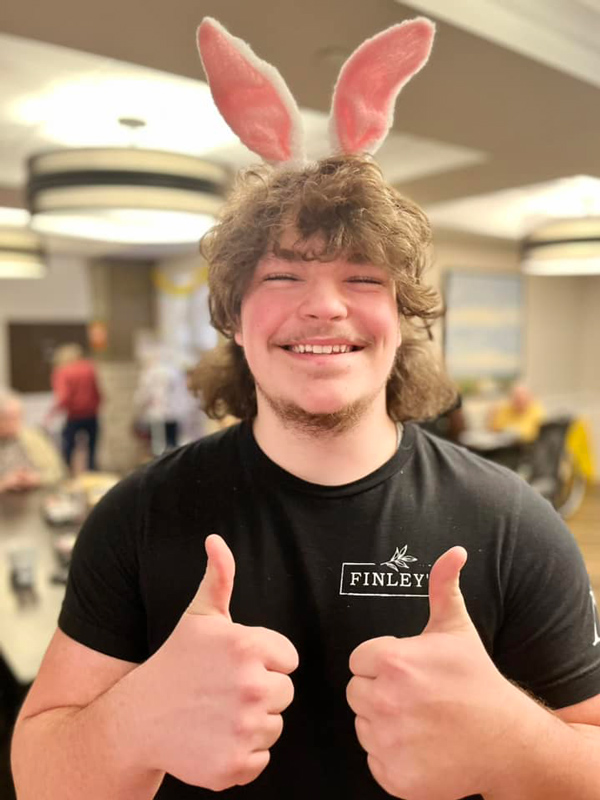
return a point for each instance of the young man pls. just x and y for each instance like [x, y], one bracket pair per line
[342, 659]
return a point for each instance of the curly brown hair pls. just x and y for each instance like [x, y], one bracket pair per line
[344, 204]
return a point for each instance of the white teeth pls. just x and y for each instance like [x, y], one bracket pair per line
[321, 349]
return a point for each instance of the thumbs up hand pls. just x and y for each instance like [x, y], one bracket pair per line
[213, 694]
[432, 711]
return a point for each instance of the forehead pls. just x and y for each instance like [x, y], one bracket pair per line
[292, 246]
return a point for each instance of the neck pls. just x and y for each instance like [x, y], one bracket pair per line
[329, 459]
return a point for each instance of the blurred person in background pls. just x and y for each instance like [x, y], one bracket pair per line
[162, 399]
[28, 459]
[520, 414]
[76, 394]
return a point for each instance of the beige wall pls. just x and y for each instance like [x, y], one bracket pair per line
[554, 352]
[478, 253]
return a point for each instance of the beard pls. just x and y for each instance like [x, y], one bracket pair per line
[308, 423]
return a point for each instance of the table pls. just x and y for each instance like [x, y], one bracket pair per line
[476, 439]
[26, 628]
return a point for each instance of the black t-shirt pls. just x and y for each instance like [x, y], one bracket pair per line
[330, 567]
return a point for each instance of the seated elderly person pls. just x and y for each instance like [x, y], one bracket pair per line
[521, 414]
[28, 458]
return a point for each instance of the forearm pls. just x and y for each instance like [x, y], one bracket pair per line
[559, 763]
[82, 753]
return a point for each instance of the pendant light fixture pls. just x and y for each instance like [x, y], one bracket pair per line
[565, 247]
[124, 195]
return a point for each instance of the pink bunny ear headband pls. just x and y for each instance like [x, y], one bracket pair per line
[258, 106]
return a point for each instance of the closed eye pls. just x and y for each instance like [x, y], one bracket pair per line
[283, 276]
[366, 279]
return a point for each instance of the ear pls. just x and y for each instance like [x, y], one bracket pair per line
[362, 110]
[237, 336]
[251, 95]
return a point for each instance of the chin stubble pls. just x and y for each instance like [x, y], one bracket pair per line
[309, 424]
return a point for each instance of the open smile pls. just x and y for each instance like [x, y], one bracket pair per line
[322, 349]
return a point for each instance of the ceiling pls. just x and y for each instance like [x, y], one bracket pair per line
[509, 99]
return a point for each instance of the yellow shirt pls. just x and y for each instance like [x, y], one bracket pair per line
[526, 424]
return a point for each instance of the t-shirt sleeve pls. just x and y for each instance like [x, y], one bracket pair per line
[548, 642]
[103, 607]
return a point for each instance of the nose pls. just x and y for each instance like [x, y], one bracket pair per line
[323, 299]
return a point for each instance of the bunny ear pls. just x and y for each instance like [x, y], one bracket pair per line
[251, 95]
[362, 110]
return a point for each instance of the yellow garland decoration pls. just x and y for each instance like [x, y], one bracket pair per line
[166, 285]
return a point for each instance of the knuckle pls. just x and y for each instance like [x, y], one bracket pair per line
[251, 690]
[383, 702]
[243, 728]
[243, 645]
[391, 664]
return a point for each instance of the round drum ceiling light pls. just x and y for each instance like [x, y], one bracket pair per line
[124, 195]
[563, 247]
[21, 254]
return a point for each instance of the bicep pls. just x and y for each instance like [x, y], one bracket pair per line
[72, 675]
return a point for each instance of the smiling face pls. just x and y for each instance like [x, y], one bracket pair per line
[320, 338]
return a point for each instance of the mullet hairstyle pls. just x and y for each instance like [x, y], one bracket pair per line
[343, 205]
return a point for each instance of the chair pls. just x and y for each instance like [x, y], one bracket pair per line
[548, 461]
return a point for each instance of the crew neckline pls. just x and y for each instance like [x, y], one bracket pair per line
[261, 467]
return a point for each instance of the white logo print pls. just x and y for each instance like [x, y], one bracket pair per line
[392, 578]
[595, 613]
[399, 559]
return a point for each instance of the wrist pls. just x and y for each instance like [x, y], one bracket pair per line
[126, 721]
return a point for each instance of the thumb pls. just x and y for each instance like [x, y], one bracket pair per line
[214, 593]
[447, 610]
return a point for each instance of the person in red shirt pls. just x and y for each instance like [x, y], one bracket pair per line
[76, 393]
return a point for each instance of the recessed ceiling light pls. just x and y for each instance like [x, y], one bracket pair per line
[21, 254]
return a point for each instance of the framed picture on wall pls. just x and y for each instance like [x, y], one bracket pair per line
[483, 326]
[30, 349]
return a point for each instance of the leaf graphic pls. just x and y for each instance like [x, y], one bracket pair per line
[399, 559]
